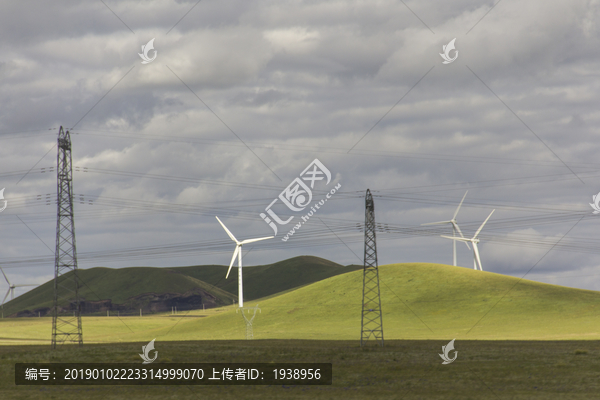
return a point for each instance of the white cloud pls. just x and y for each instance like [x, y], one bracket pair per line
[302, 80]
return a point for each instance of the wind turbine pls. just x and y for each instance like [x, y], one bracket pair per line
[454, 228]
[11, 290]
[474, 240]
[238, 253]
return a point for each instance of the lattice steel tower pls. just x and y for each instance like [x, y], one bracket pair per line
[249, 330]
[66, 312]
[371, 323]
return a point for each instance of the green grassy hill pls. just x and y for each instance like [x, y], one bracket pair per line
[419, 301]
[120, 286]
[266, 280]
[131, 288]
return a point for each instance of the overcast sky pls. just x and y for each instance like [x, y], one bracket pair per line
[243, 95]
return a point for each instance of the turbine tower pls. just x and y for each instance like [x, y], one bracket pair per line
[371, 320]
[238, 253]
[11, 290]
[66, 312]
[455, 228]
[474, 240]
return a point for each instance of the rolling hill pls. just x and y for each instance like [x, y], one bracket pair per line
[124, 289]
[266, 280]
[158, 289]
[419, 301]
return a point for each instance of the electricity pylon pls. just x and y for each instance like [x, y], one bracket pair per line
[66, 312]
[371, 322]
[249, 331]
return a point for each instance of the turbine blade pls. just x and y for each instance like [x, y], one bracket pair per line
[476, 254]
[464, 240]
[458, 229]
[456, 212]
[227, 230]
[7, 293]
[255, 240]
[437, 223]
[7, 281]
[24, 285]
[237, 248]
[456, 238]
[461, 234]
[450, 237]
[481, 227]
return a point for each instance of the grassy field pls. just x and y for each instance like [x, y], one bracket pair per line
[420, 301]
[399, 370]
[515, 339]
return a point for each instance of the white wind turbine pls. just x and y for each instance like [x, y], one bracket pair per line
[238, 253]
[11, 290]
[474, 240]
[455, 228]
